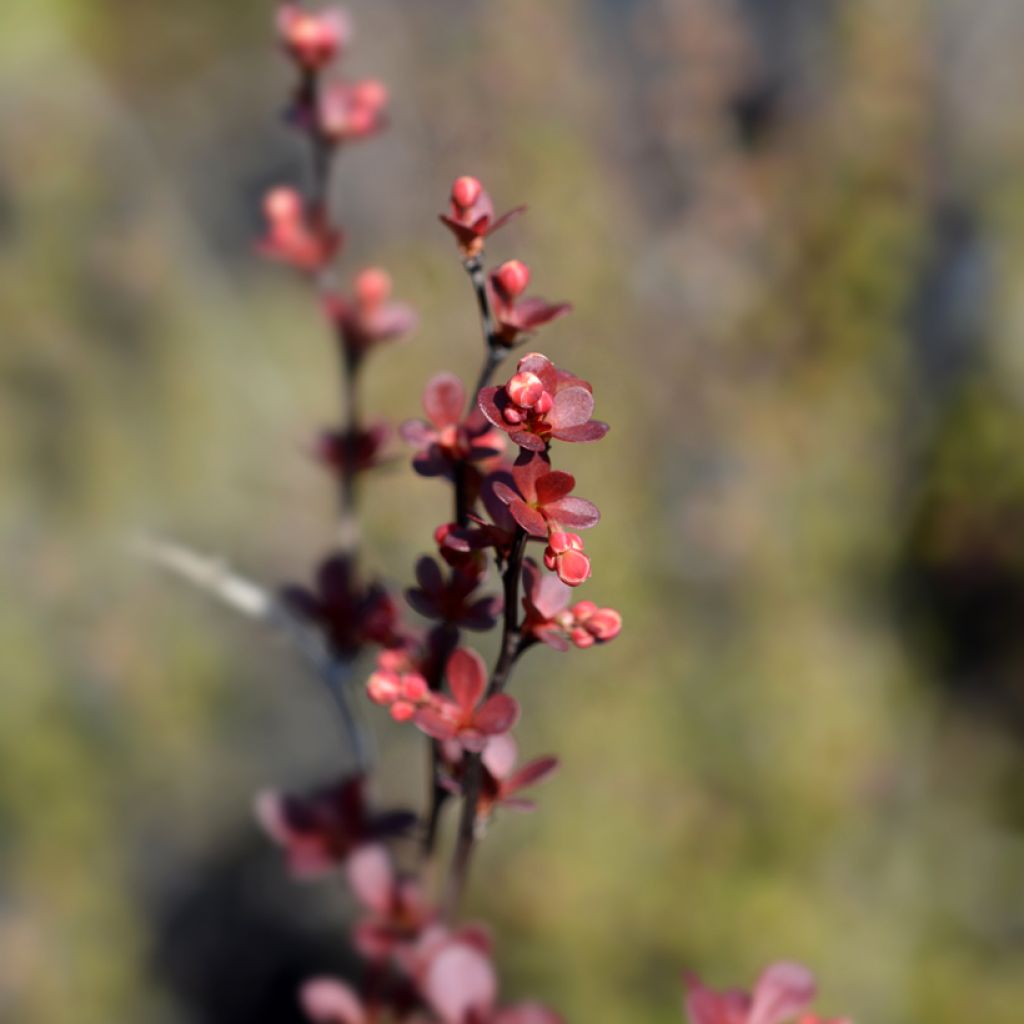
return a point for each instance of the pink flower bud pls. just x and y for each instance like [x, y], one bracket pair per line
[593, 624]
[414, 687]
[544, 404]
[564, 556]
[312, 39]
[560, 542]
[282, 204]
[465, 192]
[525, 389]
[383, 687]
[371, 93]
[372, 287]
[513, 415]
[402, 711]
[511, 278]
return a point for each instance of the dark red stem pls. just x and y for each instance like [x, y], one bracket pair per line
[511, 647]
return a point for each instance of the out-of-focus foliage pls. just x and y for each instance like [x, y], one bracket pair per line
[794, 235]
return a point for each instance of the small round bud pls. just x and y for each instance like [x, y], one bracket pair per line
[372, 286]
[564, 556]
[402, 711]
[370, 93]
[525, 389]
[544, 404]
[465, 192]
[414, 687]
[383, 687]
[512, 277]
[513, 416]
[282, 203]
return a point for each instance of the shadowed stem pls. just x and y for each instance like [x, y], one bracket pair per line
[496, 352]
[511, 647]
[438, 794]
[348, 521]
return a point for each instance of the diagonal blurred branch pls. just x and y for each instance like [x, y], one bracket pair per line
[215, 577]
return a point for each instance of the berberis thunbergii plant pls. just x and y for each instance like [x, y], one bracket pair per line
[514, 517]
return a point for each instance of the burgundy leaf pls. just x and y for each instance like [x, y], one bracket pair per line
[528, 518]
[573, 407]
[428, 575]
[535, 312]
[528, 469]
[529, 441]
[416, 433]
[592, 431]
[443, 400]
[506, 217]
[435, 724]
[467, 677]
[534, 362]
[487, 402]
[497, 714]
[554, 485]
[576, 512]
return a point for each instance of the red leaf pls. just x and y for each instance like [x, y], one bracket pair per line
[572, 408]
[529, 518]
[592, 431]
[531, 774]
[434, 724]
[443, 400]
[575, 512]
[540, 365]
[467, 677]
[497, 714]
[553, 486]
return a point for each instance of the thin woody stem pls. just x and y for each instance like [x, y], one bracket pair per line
[322, 154]
[511, 647]
[496, 352]
[215, 577]
[492, 358]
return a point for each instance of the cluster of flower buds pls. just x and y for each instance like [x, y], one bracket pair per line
[467, 718]
[470, 216]
[540, 404]
[515, 315]
[369, 318]
[335, 111]
[298, 236]
[348, 111]
[550, 619]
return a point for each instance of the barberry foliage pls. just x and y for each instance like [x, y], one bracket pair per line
[428, 965]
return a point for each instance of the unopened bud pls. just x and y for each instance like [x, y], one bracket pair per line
[512, 277]
[372, 286]
[525, 389]
[466, 191]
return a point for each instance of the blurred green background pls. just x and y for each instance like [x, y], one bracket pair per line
[793, 232]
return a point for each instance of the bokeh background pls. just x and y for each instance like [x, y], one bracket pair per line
[794, 234]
